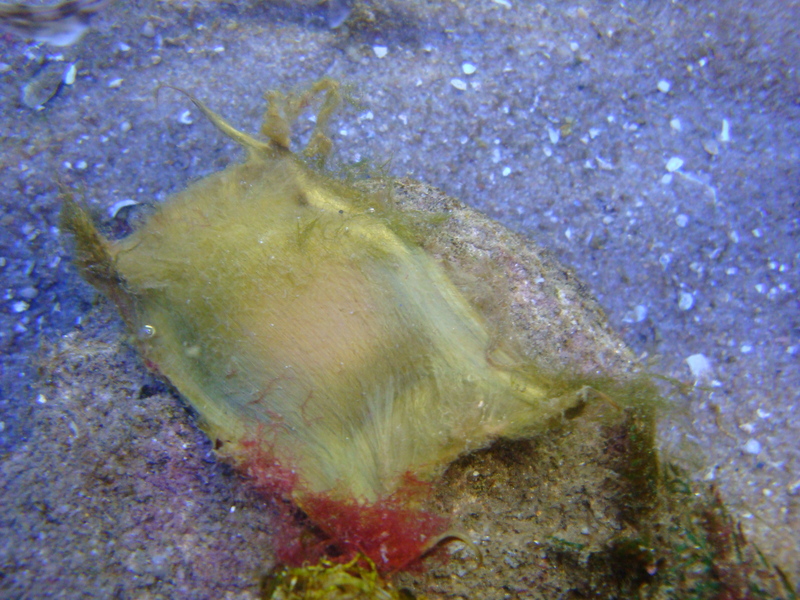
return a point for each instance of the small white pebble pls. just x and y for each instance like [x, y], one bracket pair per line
[752, 446]
[681, 220]
[70, 74]
[664, 86]
[506, 171]
[41, 399]
[674, 163]
[725, 133]
[186, 117]
[594, 132]
[123, 47]
[504, 3]
[676, 124]
[468, 68]
[574, 46]
[81, 165]
[380, 51]
[767, 492]
[548, 152]
[233, 509]
[711, 146]
[115, 83]
[699, 365]
[640, 313]
[125, 126]
[745, 348]
[219, 49]
[666, 179]
[554, 135]
[762, 414]
[760, 288]
[20, 306]
[459, 84]
[685, 301]
[757, 233]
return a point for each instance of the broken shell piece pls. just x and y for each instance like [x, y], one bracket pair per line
[43, 86]
[114, 209]
[711, 146]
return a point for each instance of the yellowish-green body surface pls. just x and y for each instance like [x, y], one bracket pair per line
[305, 322]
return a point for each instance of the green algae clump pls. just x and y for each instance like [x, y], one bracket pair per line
[327, 352]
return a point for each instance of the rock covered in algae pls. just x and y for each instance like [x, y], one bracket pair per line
[339, 346]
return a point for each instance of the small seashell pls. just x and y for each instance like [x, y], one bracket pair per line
[44, 85]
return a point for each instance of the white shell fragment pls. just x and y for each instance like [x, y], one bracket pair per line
[674, 163]
[711, 146]
[664, 86]
[459, 84]
[70, 74]
[468, 68]
[380, 51]
[115, 83]
[685, 301]
[699, 365]
[114, 209]
[752, 447]
[725, 134]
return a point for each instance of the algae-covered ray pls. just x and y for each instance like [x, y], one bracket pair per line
[323, 346]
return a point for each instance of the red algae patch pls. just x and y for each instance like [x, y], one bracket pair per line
[392, 535]
[394, 532]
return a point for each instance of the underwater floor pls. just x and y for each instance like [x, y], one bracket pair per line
[652, 148]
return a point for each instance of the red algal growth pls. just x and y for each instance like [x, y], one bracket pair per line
[390, 531]
[392, 535]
